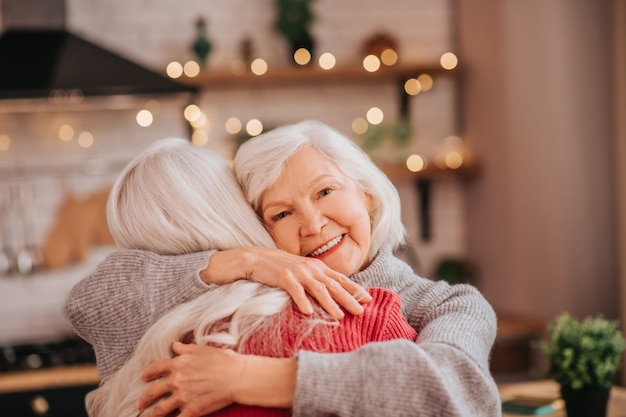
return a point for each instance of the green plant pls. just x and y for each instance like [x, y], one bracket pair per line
[293, 20]
[583, 354]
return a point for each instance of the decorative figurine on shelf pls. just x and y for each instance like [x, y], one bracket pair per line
[293, 21]
[202, 45]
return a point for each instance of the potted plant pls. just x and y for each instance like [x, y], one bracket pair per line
[583, 357]
[293, 21]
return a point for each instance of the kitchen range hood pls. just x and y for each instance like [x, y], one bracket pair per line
[40, 58]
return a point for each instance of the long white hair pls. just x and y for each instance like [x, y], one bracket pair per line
[177, 198]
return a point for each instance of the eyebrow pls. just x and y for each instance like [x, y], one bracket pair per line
[311, 183]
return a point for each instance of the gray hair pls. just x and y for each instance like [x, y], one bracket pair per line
[259, 162]
[176, 198]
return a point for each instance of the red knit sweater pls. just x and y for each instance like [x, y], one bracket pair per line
[381, 320]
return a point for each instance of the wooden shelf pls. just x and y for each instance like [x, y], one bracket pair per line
[309, 75]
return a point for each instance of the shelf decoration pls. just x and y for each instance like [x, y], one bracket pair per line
[382, 46]
[293, 21]
[201, 46]
[388, 142]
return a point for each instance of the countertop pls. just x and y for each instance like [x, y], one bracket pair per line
[49, 378]
[550, 389]
[35, 303]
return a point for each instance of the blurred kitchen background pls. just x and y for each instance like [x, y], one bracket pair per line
[500, 122]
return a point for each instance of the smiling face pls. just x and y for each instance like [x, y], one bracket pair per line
[315, 210]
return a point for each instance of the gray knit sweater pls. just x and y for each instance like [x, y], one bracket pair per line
[445, 373]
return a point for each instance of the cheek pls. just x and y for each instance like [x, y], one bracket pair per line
[283, 237]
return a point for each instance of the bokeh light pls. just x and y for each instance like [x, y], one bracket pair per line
[258, 66]
[192, 113]
[360, 125]
[144, 118]
[191, 69]
[174, 69]
[302, 56]
[389, 57]
[412, 87]
[233, 125]
[449, 61]
[426, 81]
[371, 63]
[327, 61]
[85, 140]
[254, 127]
[66, 133]
[375, 116]
[416, 163]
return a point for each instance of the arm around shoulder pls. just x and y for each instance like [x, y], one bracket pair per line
[114, 306]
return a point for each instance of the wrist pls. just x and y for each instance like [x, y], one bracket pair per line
[267, 382]
[227, 266]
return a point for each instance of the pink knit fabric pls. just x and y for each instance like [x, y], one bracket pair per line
[381, 320]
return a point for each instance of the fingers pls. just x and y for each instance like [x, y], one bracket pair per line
[297, 293]
[184, 348]
[344, 298]
[152, 394]
[329, 288]
[320, 291]
[157, 369]
[358, 292]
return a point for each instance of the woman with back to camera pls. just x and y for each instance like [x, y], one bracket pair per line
[320, 195]
[245, 316]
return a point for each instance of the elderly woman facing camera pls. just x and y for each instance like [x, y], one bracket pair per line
[321, 197]
[245, 316]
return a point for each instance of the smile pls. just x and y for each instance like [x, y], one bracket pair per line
[327, 246]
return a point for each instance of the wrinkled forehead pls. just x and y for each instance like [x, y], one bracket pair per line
[306, 170]
[300, 159]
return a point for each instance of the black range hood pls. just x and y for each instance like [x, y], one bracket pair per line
[38, 63]
[39, 57]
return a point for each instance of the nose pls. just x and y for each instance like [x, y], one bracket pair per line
[312, 222]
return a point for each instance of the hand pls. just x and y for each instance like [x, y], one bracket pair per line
[298, 275]
[204, 379]
[197, 382]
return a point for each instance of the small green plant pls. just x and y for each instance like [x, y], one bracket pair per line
[583, 354]
[293, 20]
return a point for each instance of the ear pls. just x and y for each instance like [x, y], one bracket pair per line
[369, 203]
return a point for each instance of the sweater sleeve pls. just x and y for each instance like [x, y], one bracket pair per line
[444, 373]
[389, 324]
[129, 291]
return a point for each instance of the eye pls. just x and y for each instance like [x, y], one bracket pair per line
[325, 192]
[279, 216]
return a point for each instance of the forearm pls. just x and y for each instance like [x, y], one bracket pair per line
[396, 378]
[446, 372]
[268, 382]
[126, 294]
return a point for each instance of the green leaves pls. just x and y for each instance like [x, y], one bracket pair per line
[585, 353]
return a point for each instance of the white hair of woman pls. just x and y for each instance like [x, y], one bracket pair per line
[176, 198]
[258, 168]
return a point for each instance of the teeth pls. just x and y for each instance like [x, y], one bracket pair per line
[327, 246]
